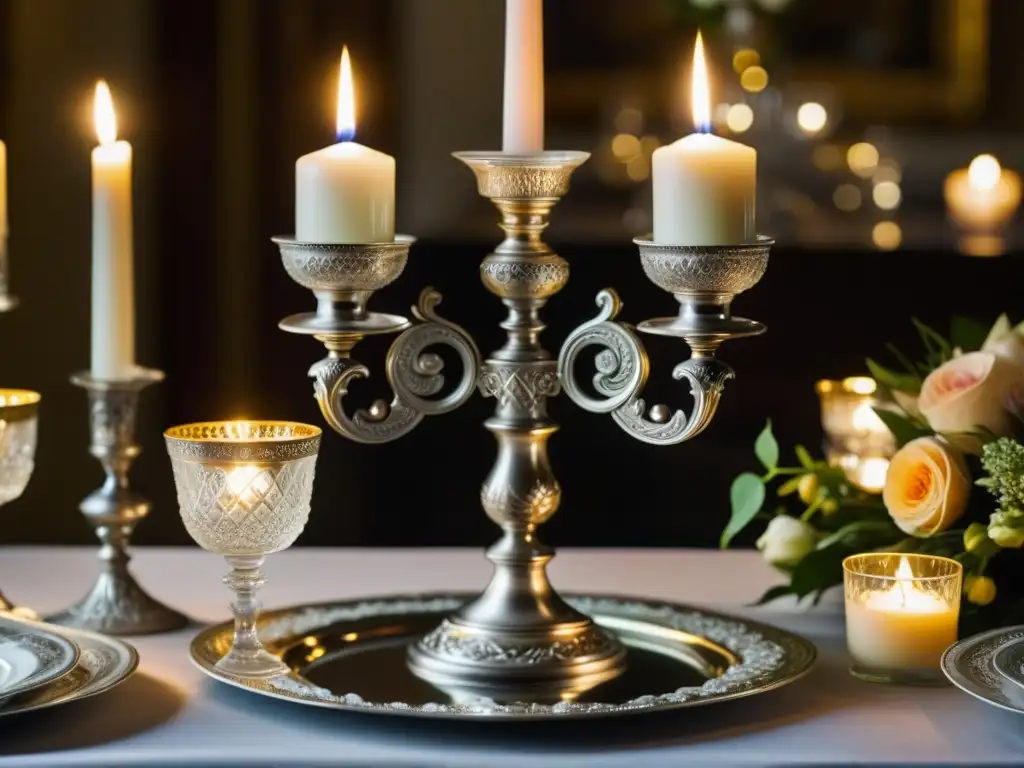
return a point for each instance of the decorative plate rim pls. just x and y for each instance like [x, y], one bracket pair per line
[772, 657]
[973, 682]
[63, 652]
[88, 687]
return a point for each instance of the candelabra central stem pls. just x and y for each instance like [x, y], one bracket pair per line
[520, 634]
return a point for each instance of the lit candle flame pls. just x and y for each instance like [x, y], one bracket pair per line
[346, 118]
[103, 114]
[701, 93]
[903, 571]
[984, 172]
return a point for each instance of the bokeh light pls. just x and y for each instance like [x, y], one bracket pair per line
[984, 172]
[887, 235]
[744, 59]
[862, 159]
[811, 117]
[887, 195]
[754, 79]
[625, 146]
[740, 118]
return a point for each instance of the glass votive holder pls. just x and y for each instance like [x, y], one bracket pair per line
[244, 490]
[858, 440]
[901, 614]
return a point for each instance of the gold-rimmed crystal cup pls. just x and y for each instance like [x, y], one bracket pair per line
[19, 415]
[244, 490]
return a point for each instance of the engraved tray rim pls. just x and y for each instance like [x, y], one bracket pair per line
[778, 657]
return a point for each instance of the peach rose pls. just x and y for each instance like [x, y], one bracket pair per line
[926, 487]
[967, 394]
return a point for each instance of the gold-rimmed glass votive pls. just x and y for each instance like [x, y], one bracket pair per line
[19, 417]
[244, 490]
[857, 439]
[901, 614]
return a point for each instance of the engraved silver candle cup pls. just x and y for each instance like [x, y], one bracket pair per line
[343, 277]
[116, 604]
[19, 419]
[244, 489]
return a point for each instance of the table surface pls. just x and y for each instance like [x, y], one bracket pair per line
[169, 713]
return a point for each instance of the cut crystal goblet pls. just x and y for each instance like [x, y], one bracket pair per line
[244, 489]
[19, 414]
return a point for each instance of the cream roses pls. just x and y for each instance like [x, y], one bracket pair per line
[926, 487]
[969, 393]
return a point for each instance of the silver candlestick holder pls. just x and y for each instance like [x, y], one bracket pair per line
[116, 604]
[7, 301]
[519, 636]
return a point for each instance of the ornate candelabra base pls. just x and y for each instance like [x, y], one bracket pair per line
[116, 604]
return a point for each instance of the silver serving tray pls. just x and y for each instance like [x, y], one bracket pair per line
[104, 663]
[43, 654]
[969, 665]
[352, 656]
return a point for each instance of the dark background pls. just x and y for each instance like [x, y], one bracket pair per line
[220, 97]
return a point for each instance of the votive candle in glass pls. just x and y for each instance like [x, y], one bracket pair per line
[858, 440]
[901, 614]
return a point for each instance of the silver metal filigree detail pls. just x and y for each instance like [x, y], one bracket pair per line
[356, 267]
[451, 641]
[502, 504]
[413, 373]
[542, 176]
[520, 384]
[696, 269]
[622, 365]
[622, 369]
[523, 278]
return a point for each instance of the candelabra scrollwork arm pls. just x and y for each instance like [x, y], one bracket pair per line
[415, 374]
[622, 370]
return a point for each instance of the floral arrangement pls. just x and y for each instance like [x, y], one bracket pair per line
[955, 486]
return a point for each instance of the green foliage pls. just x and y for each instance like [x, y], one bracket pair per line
[746, 498]
[938, 350]
[902, 428]
[766, 448]
[901, 382]
[1003, 460]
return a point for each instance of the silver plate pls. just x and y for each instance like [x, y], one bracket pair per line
[352, 656]
[39, 656]
[969, 666]
[1008, 661]
[104, 663]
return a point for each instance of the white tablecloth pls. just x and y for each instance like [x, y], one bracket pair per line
[170, 713]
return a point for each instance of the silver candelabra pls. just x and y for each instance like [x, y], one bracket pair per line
[519, 634]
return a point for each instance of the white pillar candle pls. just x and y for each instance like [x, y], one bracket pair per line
[345, 193]
[704, 185]
[523, 131]
[902, 627]
[113, 300]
